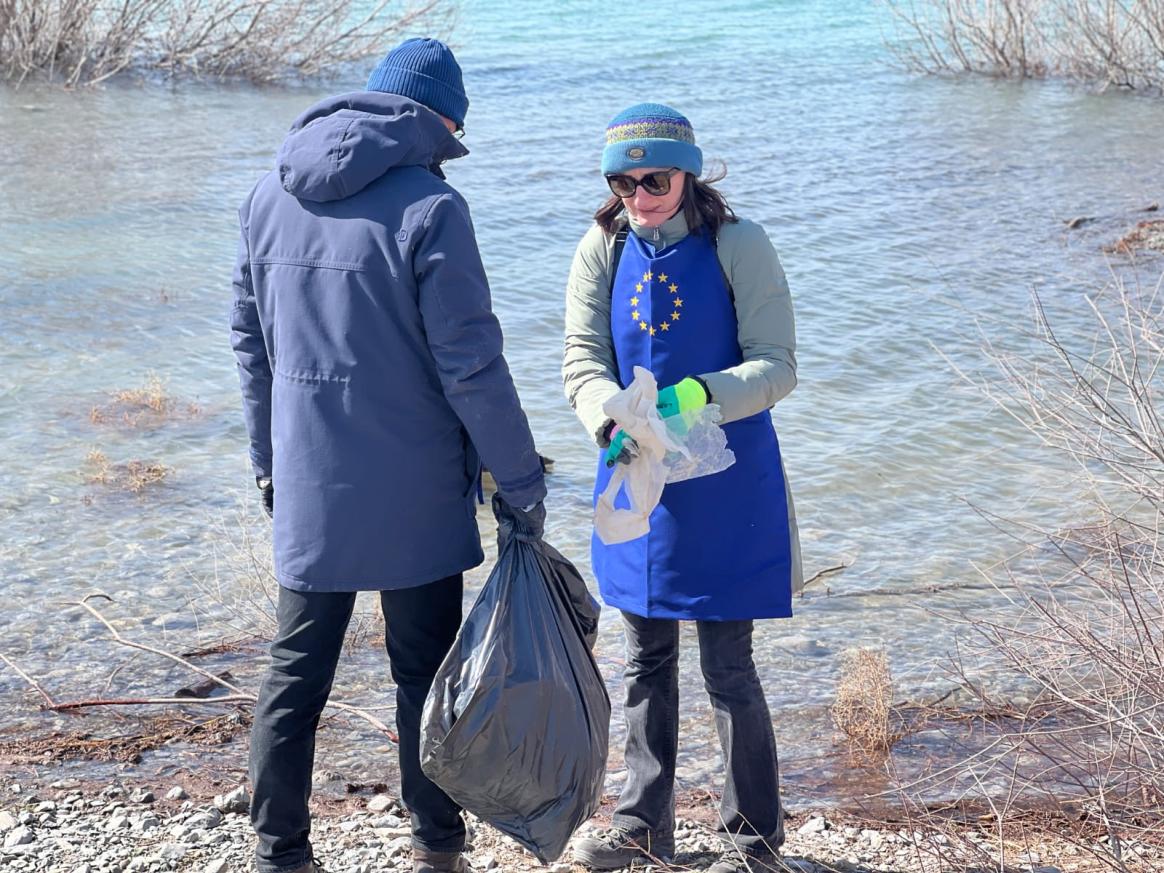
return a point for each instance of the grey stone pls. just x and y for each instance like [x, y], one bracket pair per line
[20, 836]
[147, 823]
[218, 865]
[46, 806]
[236, 801]
[207, 818]
[142, 796]
[815, 825]
[173, 851]
[176, 793]
[380, 803]
[7, 822]
[398, 846]
[485, 862]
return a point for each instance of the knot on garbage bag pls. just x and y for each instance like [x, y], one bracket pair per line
[515, 523]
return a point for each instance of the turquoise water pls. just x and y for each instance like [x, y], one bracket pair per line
[910, 214]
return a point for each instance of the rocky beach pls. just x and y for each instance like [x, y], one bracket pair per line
[200, 825]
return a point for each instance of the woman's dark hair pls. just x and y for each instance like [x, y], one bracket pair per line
[705, 209]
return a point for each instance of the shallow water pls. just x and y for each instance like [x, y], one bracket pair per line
[908, 212]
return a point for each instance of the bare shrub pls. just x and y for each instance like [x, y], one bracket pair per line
[238, 597]
[80, 42]
[1104, 42]
[1090, 634]
[863, 709]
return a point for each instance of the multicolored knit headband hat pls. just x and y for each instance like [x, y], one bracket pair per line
[650, 135]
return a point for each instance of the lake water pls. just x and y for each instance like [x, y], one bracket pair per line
[910, 214]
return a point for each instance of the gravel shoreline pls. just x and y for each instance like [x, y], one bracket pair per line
[76, 827]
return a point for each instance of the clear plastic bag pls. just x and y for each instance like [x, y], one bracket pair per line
[669, 450]
[515, 728]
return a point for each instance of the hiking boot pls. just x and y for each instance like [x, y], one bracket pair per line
[737, 861]
[612, 848]
[311, 866]
[427, 861]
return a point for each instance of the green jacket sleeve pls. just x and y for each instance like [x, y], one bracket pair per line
[588, 365]
[767, 330]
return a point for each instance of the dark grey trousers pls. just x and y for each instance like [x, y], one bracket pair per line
[750, 811]
[421, 624]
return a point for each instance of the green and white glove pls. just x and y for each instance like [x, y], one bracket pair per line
[690, 395]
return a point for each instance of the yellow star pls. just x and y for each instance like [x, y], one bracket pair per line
[666, 325]
[663, 278]
[635, 315]
[647, 276]
[643, 325]
[674, 316]
[639, 287]
[673, 288]
[652, 331]
[678, 303]
[634, 301]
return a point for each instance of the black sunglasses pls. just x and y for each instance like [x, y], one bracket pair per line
[655, 184]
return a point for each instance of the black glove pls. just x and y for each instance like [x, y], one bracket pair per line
[266, 494]
[528, 523]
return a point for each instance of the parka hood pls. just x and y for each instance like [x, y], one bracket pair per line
[343, 144]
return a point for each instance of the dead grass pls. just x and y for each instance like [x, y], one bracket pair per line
[148, 406]
[863, 710]
[134, 476]
[1147, 235]
[153, 733]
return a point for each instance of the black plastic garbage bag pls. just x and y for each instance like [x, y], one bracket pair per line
[515, 726]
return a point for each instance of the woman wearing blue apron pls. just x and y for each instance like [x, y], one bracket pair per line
[669, 279]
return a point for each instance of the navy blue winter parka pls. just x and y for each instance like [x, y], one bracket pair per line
[371, 361]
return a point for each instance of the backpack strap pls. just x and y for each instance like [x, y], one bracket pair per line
[726, 281]
[619, 245]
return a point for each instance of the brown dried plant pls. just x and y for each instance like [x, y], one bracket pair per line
[863, 709]
[145, 407]
[133, 476]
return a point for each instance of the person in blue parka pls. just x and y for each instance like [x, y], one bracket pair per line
[374, 387]
[669, 279]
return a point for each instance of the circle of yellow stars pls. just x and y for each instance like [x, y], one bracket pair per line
[676, 302]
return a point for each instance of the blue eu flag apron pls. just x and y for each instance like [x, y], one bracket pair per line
[719, 547]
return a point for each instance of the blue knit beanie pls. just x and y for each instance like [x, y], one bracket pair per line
[650, 135]
[423, 70]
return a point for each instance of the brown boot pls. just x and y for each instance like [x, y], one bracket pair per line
[427, 861]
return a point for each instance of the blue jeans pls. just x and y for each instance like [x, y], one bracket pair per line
[420, 626]
[750, 813]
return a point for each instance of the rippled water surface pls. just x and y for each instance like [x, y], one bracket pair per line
[907, 212]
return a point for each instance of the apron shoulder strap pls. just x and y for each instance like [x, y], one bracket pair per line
[619, 245]
[726, 281]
